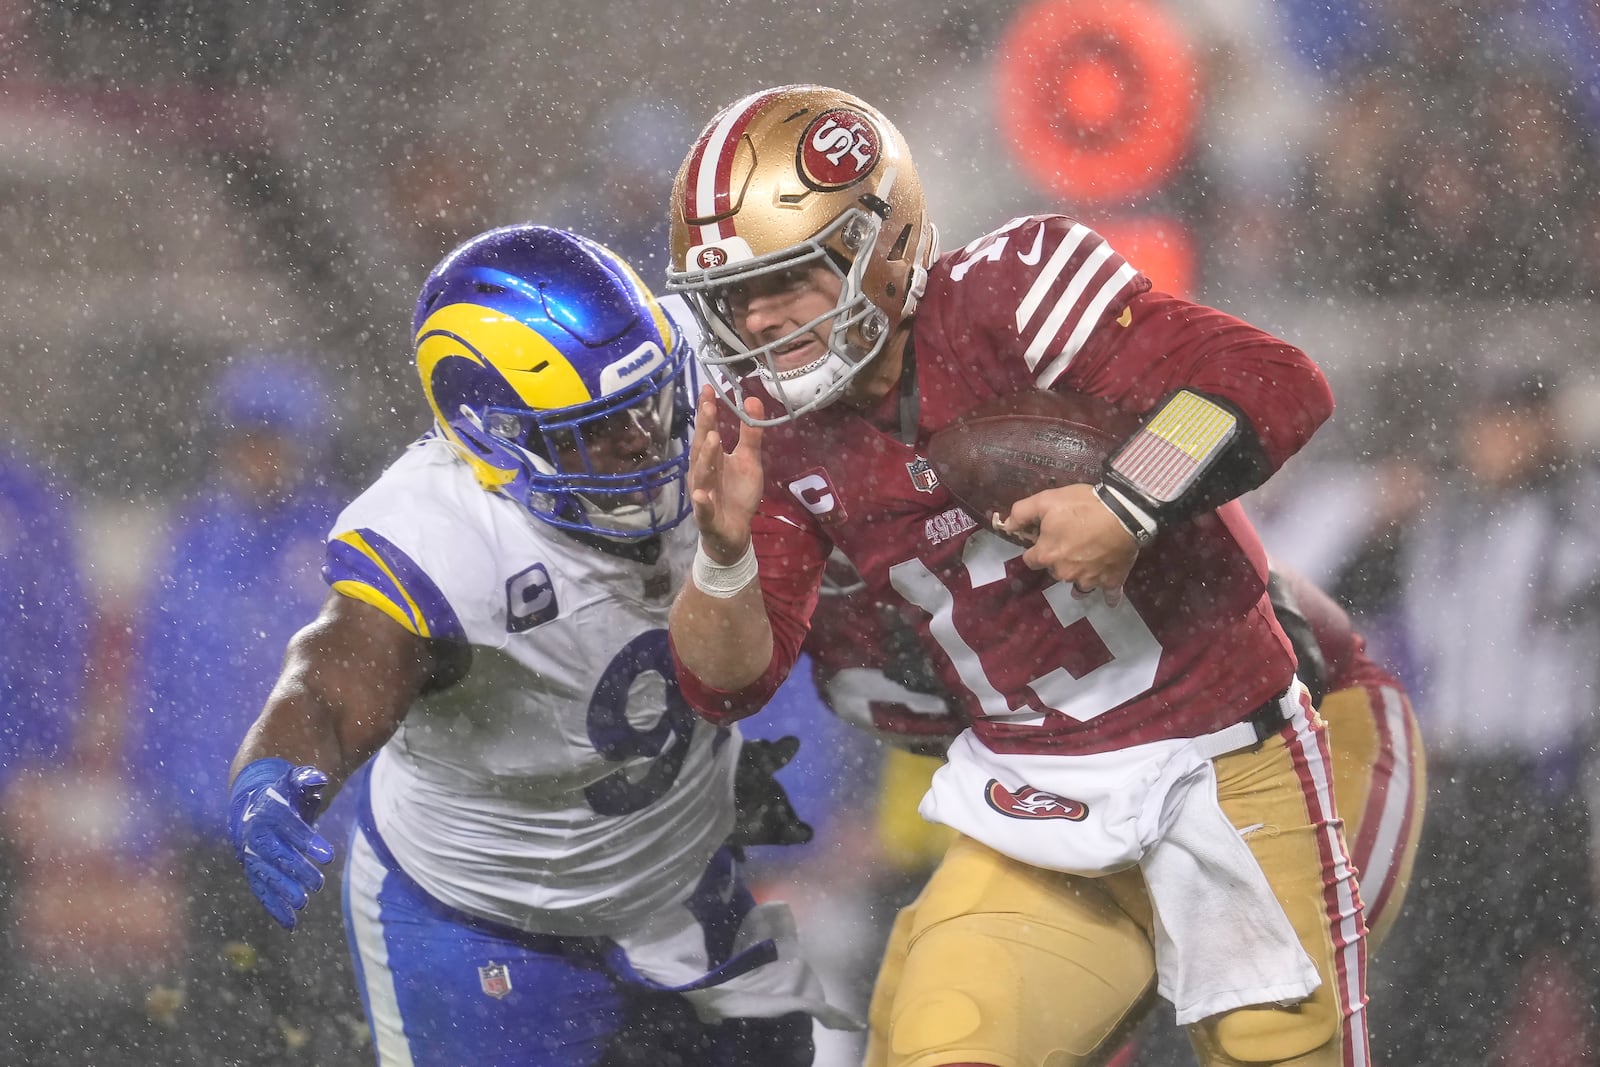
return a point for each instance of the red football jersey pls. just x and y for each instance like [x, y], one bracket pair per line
[850, 630]
[1043, 302]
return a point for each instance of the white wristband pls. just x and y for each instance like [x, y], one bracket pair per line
[723, 581]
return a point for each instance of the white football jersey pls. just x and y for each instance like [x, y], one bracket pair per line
[563, 785]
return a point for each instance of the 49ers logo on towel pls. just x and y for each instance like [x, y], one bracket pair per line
[839, 148]
[1030, 803]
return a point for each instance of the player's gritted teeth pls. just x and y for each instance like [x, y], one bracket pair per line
[798, 354]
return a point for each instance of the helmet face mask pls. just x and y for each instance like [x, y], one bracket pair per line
[555, 375]
[613, 470]
[787, 179]
[856, 327]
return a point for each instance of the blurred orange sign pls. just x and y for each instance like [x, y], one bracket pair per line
[1097, 98]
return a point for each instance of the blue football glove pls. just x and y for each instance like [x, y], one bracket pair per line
[269, 820]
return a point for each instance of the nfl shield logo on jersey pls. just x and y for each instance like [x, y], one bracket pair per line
[495, 980]
[923, 476]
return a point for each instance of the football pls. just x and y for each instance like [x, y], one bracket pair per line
[1016, 445]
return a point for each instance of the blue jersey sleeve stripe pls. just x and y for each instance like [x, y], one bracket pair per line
[366, 558]
[351, 569]
[427, 597]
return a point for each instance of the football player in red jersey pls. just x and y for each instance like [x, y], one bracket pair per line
[1139, 743]
[870, 676]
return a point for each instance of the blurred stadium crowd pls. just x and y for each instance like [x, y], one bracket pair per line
[213, 219]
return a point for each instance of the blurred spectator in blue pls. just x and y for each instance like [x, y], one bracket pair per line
[42, 672]
[241, 576]
[1500, 596]
[1335, 37]
[42, 665]
[1456, 158]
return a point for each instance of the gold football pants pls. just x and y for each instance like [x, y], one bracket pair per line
[1002, 963]
[1380, 784]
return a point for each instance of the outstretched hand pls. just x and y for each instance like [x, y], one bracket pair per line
[269, 820]
[724, 487]
[1076, 538]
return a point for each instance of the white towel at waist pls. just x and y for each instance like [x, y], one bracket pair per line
[1222, 940]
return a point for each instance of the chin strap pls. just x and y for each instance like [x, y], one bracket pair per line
[928, 251]
[910, 395]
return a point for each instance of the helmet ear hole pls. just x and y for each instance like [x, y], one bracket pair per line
[856, 233]
[873, 326]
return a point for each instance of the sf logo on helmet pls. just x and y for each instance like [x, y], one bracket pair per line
[839, 148]
[710, 257]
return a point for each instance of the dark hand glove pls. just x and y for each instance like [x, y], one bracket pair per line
[1313, 667]
[269, 821]
[763, 814]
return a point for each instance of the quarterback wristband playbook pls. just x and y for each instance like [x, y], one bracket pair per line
[723, 581]
[1192, 453]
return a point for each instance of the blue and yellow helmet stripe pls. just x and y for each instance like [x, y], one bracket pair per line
[499, 347]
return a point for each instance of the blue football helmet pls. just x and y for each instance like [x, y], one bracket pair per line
[557, 377]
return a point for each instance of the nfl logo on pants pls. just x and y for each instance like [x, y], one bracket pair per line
[495, 980]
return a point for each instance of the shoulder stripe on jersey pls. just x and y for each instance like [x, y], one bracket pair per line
[1067, 304]
[708, 186]
[1091, 267]
[1113, 287]
[364, 565]
[1047, 277]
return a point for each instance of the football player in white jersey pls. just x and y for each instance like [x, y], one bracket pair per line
[542, 870]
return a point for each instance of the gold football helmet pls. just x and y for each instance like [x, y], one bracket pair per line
[785, 178]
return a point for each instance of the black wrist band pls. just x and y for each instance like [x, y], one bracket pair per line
[1142, 532]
